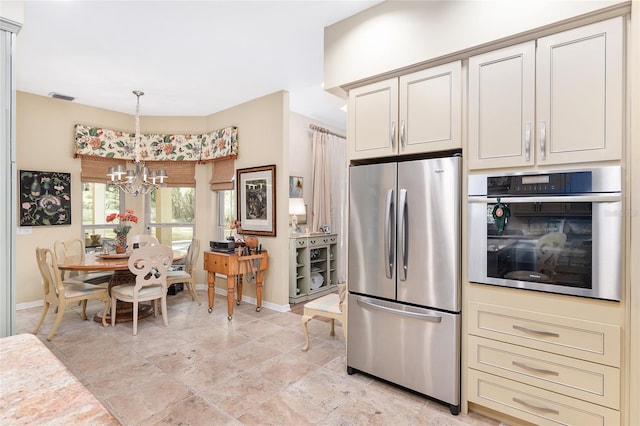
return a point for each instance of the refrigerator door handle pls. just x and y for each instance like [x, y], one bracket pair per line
[389, 226]
[407, 312]
[403, 234]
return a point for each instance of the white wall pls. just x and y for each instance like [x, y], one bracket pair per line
[12, 10]
[398, 34]
[300, 153]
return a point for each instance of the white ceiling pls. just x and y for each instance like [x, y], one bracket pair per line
[191, 58]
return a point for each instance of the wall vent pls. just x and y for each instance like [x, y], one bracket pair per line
[55, 95]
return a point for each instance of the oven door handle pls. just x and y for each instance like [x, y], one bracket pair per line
[596, 198]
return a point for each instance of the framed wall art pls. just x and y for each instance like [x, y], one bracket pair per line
[45, 198]
[256, 200]
[295, 187]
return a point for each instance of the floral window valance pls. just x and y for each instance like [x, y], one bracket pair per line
[95, 141]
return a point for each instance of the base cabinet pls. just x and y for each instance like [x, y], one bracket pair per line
[533, 404]
[538, 357]
[312, 266]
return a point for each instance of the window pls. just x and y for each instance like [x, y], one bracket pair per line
[226, 213]
[171, 215]
[98, 201]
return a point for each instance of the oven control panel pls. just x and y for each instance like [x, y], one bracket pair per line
[540, 184]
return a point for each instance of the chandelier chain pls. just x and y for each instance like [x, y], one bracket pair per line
[138, 181]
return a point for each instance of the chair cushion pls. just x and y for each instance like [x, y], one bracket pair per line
[172, 275]
[327, 303]
[127, 290]
[89, 278]
[81, 289]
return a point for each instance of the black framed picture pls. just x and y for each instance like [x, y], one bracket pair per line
[256, 200]
[45, 198]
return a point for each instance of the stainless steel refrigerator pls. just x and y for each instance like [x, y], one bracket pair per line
[404, 275]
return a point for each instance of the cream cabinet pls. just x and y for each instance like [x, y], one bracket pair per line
[312, 266]
[541, 358]
[555, 100]
[415, 113]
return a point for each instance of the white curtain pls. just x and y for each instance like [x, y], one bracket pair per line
[329, 190]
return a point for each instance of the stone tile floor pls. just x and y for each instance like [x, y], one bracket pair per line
[205, 370]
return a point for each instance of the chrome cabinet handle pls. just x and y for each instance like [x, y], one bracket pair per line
[404, 236]
[389, 225]
[527, 143]
[535, 407]
[403, 142]
[534, 369]
[392, 136]
[538, 332]
[543, 141]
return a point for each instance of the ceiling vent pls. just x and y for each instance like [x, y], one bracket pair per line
[55, 95]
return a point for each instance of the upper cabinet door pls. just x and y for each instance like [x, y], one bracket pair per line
[501, 107]
[430, 110]
[425, 118]
[578, 79]
[580, 94]
[372, 120]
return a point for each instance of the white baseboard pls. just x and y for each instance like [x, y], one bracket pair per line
[29, 305]
[248, 299]
[203, 287]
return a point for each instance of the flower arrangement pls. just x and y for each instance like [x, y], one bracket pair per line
[122, 227]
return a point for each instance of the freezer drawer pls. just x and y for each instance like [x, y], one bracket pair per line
[413, 347]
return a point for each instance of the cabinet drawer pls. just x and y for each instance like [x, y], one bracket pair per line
[588, 340]
[330, 239]
[216, 264]
[535, 405]
[300, 242]
[318, 241]
[588, 381]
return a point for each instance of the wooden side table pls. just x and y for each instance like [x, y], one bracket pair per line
[232, 265]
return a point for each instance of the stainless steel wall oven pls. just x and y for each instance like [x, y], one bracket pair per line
[559, 232]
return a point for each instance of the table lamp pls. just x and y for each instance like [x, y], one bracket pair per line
[296, 207]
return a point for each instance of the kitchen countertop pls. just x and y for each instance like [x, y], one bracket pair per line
[36, 388]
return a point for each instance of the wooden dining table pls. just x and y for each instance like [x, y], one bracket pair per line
[119, 265]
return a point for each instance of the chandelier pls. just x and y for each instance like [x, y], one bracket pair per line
[138, 181]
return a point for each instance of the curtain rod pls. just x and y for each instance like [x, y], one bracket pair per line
[323, 130]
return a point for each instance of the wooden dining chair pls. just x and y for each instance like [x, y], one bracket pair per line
[59, 293]
[149, 264]
[187, 275]
[76, 247]
[143, 240]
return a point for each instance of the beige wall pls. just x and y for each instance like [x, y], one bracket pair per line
[263, 139]
[45, 135]
[398, 34]
[44, 141]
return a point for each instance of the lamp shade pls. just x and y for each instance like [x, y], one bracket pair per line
[296, 206]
